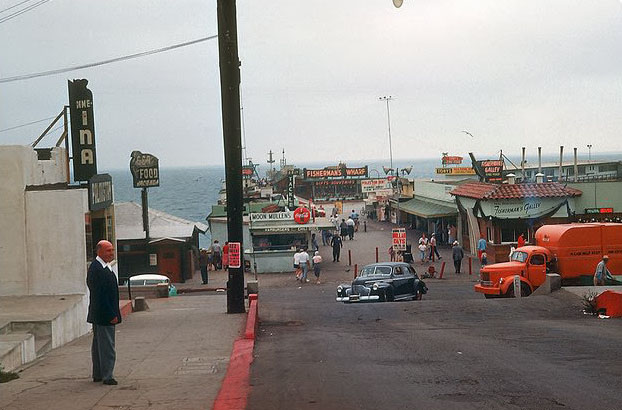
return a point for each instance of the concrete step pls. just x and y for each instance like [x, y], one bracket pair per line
[43, 344]
[16, 349]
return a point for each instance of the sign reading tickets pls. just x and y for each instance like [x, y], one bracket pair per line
[302, 215]
[398, 236]
[145, 170]
[82, 130]
[235, 254]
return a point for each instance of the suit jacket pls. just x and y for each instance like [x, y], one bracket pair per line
[104, 290]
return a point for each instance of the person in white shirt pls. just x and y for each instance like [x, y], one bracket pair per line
[297, 264]
[350, 223]
[304, 265]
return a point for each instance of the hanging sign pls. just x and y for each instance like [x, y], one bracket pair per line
[235, 254]
[290, 191]
[100, 192]
[455, 171]
[82, 130]
[145, 170]
[302, 215]
[452, 160]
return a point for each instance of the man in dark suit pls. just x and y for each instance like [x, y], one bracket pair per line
[103, 313]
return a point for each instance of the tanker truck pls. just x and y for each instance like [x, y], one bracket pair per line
[570, 250]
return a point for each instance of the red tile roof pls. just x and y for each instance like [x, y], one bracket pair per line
[484, 190]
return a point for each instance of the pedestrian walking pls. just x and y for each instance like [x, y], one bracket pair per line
[344, 229]
[520, 241]
[484, 259]
[481, 246]
[304, 265]
[225, 256]
[324, 233]
[433, 248]
[391, 253]
[317, 266]
[337, 244]
[422, 246]
[457, 254]
[103, 313]
[350, 223]
[297, 269]
[203, 263]
[314, 245]
[217, 252]
[601, 271]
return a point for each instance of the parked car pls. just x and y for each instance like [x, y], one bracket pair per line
[151, 279]
[383, 282]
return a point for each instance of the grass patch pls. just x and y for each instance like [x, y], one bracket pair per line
[588, 300]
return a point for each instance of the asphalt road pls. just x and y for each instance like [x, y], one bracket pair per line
[452, 350]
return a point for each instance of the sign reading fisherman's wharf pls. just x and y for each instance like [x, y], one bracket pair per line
[145, 170]
[335, 172]
[82, 130]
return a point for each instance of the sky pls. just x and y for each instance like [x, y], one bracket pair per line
[512, 73]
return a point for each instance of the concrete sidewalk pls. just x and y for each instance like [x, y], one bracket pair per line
[173, 356]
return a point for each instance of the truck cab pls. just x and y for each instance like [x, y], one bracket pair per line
[529, 262]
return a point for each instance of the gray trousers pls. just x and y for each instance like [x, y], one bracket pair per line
[102, 352]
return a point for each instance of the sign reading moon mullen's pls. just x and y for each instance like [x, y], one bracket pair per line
[145, 170]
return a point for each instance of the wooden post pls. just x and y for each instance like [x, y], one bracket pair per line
[376, 254]
[442, 270]
[356, 270]
[470, 265]
[349, 257]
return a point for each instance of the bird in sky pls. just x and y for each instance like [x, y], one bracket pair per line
[468, 133]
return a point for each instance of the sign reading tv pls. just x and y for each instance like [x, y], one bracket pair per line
[82, 130]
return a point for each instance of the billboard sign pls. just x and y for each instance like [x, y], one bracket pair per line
[455, 171]
[334, 172]
[374, 185]
[100, 192]
[398, 237]
[235, 254]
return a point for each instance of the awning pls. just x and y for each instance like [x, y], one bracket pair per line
[427, 209]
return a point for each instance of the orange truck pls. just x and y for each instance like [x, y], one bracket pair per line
[570, 250]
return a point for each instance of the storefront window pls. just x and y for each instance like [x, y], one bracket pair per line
[511, 230]
[278, 242]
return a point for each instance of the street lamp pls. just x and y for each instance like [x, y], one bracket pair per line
[403, 171]
[387, 99]
[589, 154]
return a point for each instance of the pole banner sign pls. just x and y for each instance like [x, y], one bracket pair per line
[145, 170]
[235, 254]
[290, 192]
[398, 236]
[82, 130]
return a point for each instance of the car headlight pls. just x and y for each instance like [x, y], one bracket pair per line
[339, 288]
[500, 280]
[375, 286]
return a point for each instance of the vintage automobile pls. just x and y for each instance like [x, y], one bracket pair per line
[383, 282]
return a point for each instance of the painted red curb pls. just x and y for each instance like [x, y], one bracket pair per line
[251, 320]
[125, 307]
[235, 387]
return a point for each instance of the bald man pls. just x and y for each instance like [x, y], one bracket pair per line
[103, 313]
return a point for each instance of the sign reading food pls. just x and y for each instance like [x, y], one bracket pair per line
[145, 170]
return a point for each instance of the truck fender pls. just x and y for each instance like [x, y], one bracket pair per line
[509, 281]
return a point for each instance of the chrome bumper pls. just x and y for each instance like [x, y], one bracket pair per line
[357, 298]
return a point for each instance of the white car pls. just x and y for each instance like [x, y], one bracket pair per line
[152, 279]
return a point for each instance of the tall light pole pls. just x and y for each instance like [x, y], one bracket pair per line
[403, 171]
[589, 153]
[387, 99]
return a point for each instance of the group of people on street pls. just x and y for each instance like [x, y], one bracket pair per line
[303, 263]
[214, 258]
[427, 248]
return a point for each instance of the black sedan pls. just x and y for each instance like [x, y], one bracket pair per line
[388, 281]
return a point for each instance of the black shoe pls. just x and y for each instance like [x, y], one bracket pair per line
[110, 382]
[97, 379]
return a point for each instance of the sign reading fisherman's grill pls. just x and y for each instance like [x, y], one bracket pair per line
[82, 130]
[145, 170]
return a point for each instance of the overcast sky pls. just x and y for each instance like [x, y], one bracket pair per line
[511, 72]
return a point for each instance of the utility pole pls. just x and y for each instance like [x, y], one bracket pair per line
[271, 162]
[230, 100]
[387, 99]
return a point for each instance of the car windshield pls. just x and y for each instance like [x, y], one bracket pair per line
[519, 256]
[383, 270]
[367, 271]
[375, 270]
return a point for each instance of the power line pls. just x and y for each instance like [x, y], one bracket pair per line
[15, 5]
[26, 124]
[112, 60]
[22, 11]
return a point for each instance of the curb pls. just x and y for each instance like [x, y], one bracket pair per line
[235, 386]
[125, 307]
[205, 289]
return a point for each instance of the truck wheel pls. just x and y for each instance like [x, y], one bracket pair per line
[524, 290]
